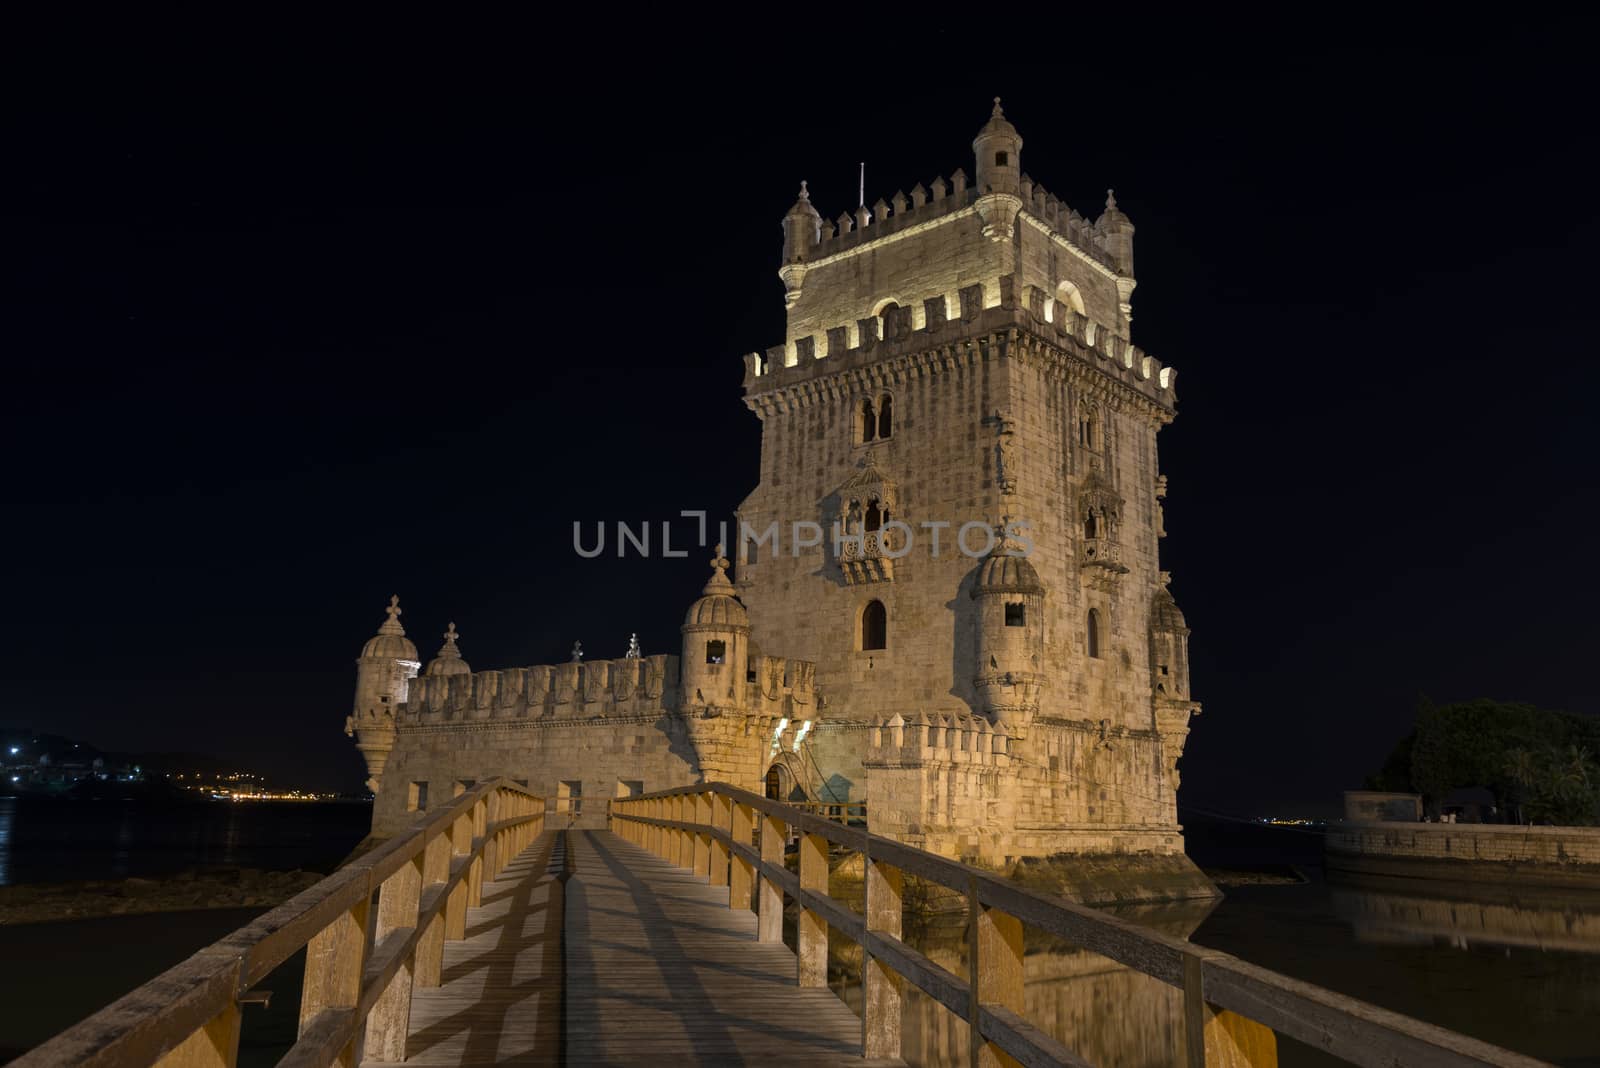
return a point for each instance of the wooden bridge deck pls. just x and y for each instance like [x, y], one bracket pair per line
[656, 970]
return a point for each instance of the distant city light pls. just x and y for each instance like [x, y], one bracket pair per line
[16, 749]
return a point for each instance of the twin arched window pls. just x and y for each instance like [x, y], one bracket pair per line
[1089, 427]
[874, 626]
[875, 418]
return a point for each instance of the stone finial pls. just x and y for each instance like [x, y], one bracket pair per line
[919, 195]
[997, 113]
[448, 660]
[577, 652]
[634, 652]
[898, 202]
[718, 583]
[846, 224]
[1111, 199]
[449, 648]
[392, 624]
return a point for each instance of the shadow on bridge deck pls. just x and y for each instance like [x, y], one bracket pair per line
[658, 970]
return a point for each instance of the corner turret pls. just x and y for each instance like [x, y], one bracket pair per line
[716, 643]
[387, 664]
[802, 229]
[1116, 236]
[998, 148]
[1009, 637]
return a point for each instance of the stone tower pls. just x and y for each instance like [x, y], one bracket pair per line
[959, 406]
[387, 664]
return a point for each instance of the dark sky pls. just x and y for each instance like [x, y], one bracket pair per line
[296, 316]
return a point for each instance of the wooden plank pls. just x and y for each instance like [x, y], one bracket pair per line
[660, 971]
[499, 1001]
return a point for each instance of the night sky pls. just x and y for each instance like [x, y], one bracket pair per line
[296, 317]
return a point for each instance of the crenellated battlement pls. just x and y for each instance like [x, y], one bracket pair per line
[955, 739]
[940, 199]
[781, 687]
[985, 311]
[585, 689]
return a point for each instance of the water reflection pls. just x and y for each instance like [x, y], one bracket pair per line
[1391, 911]
[1101, 1010]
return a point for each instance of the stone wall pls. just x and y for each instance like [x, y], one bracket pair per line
[1468, 850]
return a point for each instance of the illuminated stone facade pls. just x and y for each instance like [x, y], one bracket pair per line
[586, 730]
[961, 358]
[957, 363]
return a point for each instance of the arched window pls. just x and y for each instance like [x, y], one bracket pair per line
[874, 626]
[716, 651]
[869, 421]
[1091, 526]
[874, 518]
[1094, 633]
[885, 416]
[1088, 434]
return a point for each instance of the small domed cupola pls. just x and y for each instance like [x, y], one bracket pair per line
[998, 149]
[716, 643]
[448, 661]
[1003, 573]
[718, 605]
[390, 643]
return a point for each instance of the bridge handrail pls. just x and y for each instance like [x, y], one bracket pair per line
[709, 827]
[358, 974]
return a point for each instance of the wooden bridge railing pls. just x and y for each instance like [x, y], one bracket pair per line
[711, 828]
[360, 968]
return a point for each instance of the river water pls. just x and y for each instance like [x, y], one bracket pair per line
[1512, 967]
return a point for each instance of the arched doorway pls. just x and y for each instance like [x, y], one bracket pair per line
[774, 785]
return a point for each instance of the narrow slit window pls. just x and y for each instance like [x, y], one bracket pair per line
[1094, 633]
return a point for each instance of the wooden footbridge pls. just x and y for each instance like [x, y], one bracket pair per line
[487, 934]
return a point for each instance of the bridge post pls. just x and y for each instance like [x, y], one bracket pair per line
[741, 876]
[702, 839]
[455, 908]
[480, 828]
[430, 947]
[769, 926]
[335, 957]
[811, 936]
[994, 962]
[721, 820]
[214, 1044]
[390, 1019]
[881, 985]
[674, 835]
[491, 848]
